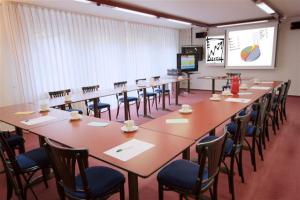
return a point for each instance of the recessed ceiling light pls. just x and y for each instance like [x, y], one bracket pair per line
[263, 6]
[134, 12]
[244, 23]
[179, 22]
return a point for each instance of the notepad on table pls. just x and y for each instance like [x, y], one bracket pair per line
[238, 100]
[260, 88]
[98, 124]
[38, 120]
[24, 113]
[129, 149]
[177, 121]
[267, 82]
[244, 93]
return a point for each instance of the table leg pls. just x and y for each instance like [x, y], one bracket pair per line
[145, 101]
[96, 110]
[126, 106]
[186, 154]
[133, 186]
[189, 82]
[213, 85]
[163, 97]
[176, 93]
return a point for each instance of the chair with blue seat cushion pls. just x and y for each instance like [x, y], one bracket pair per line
[149, 95]
[91, 182]
[157, 89]
[233, 147]
[62, 93]
[193, 179]
[120, 98]
[23, 166]
[15, 141]
[102, 107]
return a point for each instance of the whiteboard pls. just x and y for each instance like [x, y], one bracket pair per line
[251, 47]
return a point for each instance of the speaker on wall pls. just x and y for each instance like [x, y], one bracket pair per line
[295, 25]
[201, 35]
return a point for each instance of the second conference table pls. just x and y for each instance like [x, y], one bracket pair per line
[94, 96]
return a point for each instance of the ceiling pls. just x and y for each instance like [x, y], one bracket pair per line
[207, 11]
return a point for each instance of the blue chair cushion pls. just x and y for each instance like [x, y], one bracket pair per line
[14, 140]
[129, 99]
[100, 180]
[160, 90]
[73, 109]
[36, 157]
[231, 128]
[100, 105]
[182, 174]
[228, 143]
[151, 94]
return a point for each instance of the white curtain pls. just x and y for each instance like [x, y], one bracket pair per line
[47, 49]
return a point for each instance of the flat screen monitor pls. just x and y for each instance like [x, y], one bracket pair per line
[187, 62]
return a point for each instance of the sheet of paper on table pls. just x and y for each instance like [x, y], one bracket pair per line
[238, 100]
[98, 124]
[129, 149]
[24, 113]
[260, 88]
[244, 93]
[267, 82]
[177, 121]
[38, 120]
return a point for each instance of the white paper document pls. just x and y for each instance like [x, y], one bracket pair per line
[260, 88]
[238, 100]
[129, 149]
[244, 93]
[177, 121]
[267, 82]
[98, 124]
[38, 120]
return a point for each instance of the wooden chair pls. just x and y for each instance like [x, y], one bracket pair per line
[283, 100]
[62, 93]
[148, 94]
[20, 169]
[104, 107]
[90, 183]
[275, 108]
[159, 91]
[15, 141]
[131, 100]
[234, 147]
[193, 179]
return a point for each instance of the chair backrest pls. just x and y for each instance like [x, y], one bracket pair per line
[59, 93]
[64, 162]
[118, 85]
[92, 88]
[11, 166]
[286, 91]
[137, 82]
[155, 78]
[210, 155]
[242, 122]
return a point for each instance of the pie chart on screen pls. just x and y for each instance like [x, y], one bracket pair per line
[250, 53]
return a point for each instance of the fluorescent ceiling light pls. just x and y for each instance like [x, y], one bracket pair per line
[244, 23]
[134, 12]
[83, 1]
[263, 6]
[179, 22]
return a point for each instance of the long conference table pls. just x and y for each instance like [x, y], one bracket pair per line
[95, 95]
[169, 140]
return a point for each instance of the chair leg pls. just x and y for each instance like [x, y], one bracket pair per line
[259, 145]
[44, 173]
[160, 192]
[281, 115]
[215, 188]
[156, 102]
[284, 113]
[118, 109]
[169, 97]
[239, 161]
[9, 188]
[129, 111]
[253, 154]
[231, 176]
[273, 125]
[137, 108]
[122, 193]
[109, 114]
[148, 99]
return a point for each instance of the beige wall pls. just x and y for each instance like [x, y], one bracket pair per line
[287, 60]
